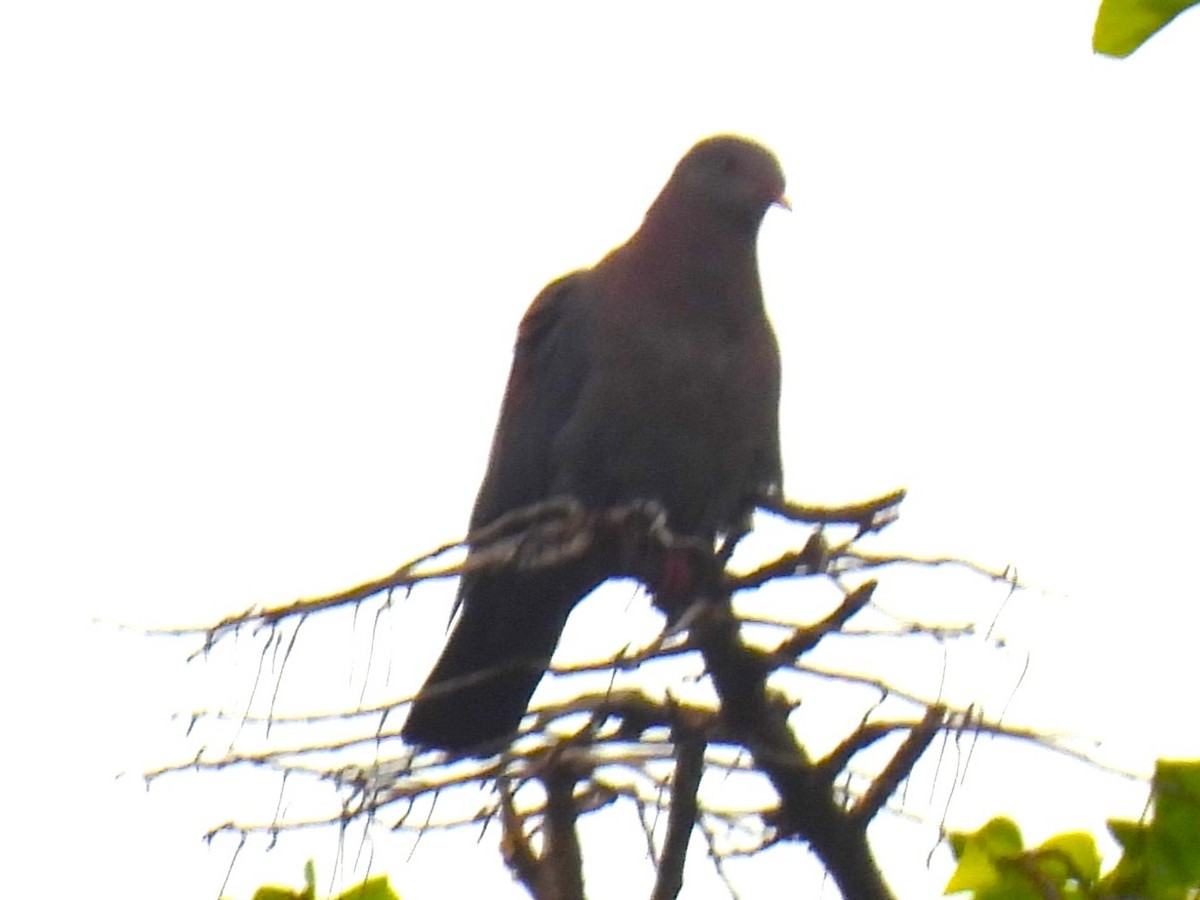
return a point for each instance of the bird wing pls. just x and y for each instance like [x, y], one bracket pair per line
[549, 367]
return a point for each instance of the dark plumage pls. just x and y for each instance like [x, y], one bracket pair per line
[652, 375]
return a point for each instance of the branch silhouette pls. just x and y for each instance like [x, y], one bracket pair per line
[597, 746]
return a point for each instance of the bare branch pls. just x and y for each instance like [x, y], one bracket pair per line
[562, 860]
[900, 766]
[808, 807]
[515, 847]
[681, 818]
[869, 515]
[580, 754]
[804, 639]
[855, 560]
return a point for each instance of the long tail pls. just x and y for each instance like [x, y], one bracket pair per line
[495, 656]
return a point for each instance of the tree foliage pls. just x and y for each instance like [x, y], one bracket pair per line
[1124, 25]
[1160, 857]
[376, 888]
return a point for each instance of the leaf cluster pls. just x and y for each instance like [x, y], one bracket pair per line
[1160, 856]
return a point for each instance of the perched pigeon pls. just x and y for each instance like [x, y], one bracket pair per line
[653, 375]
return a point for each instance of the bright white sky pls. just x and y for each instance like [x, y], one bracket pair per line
[262, 263]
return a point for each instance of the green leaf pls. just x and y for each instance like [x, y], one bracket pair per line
[982, 851]
[1124, 25]
[1130, 835]
[993, 866]
[1161, 859]
[1129, 875]
[1173, 857]
[958, 843]
[276, 893]
[1002, 836]
[371, 889]
[1078, 849]
[976, 870]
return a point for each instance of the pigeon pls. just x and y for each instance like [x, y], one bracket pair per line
[651, 376]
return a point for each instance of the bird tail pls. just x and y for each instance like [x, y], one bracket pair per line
[497, 653]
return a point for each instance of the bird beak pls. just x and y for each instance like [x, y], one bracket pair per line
[783, 201]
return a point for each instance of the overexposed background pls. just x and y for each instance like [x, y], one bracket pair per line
[261, 269]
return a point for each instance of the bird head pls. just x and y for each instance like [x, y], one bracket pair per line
[730, 177]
